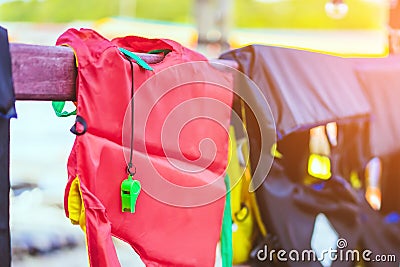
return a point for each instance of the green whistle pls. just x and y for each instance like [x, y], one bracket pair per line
[130, 190]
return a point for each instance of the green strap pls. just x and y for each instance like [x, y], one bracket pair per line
[136, 58]
[58, 107]
[226, 233]
[159, 51]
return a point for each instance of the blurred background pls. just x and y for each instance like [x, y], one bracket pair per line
[351, 27]
[41, 142]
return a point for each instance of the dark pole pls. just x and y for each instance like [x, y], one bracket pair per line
[7, 111]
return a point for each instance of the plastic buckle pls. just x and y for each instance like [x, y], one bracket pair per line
[130, 190]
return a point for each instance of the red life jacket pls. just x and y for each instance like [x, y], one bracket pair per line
[160, 231]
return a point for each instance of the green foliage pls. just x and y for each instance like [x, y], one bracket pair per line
[166, 10]
[307, 14]
[246, 13]
[56, 10]
[65, 11]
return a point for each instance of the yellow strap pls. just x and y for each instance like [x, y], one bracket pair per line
[76, 207]
[234, 172]
[243, 114]
[254, 205]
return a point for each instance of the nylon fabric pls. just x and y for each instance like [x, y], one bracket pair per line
[162, 234]
[302, 87]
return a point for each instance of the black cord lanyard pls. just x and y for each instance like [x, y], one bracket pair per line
[130, 188]
[131, 169]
